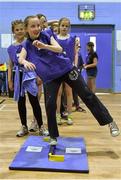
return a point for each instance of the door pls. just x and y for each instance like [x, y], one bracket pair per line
[102, 36]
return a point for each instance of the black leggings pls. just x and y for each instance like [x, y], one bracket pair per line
[35, 106]
[75, 80]
[34, 103]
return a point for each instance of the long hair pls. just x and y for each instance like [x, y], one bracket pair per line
[26, 22]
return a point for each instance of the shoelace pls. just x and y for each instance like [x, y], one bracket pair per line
[113, 126]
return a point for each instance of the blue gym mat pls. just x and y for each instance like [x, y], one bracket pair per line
[33, 155]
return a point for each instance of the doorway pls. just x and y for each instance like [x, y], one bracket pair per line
[102, 36]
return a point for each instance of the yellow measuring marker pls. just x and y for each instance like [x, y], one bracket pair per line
[52, 156]
[55, 157]
[46, 138]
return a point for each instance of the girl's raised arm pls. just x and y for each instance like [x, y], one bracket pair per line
[55, 47]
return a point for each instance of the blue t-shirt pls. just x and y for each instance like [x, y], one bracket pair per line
[68, 46]
[28, 81]
[49, 65]
[13, 51]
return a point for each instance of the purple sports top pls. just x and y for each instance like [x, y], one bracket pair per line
[68, 46]
[49, 65]
[29, 77]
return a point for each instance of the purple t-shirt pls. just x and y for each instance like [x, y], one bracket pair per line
[49, 65]
[28, 77]
[68, 46]
[13, 51]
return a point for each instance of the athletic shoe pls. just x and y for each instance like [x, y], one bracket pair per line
[58, 119]
[69, 120]
[53, 141]
[114, 130]
[34, 126]
[43, 131]
[22, 132]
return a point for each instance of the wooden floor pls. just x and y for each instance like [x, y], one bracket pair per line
[104, 151]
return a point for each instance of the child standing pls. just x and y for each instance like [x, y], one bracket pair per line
[20, 77]
[70, 45]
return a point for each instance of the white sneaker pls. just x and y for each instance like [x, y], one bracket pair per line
[114, 130]
[22, 132]
[43, 131]
[58, 119]
[33, 127]
[53, 141]
[69, 120]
